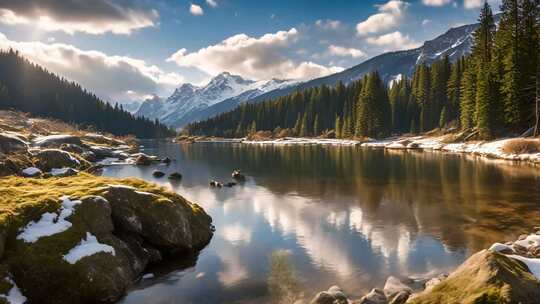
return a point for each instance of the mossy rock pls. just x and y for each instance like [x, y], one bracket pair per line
[14, 164]
[53, 158]
[485, 278]
[39, 268]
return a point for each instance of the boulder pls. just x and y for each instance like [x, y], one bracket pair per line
[237, 175]
[166, 160]
[334, 295]
[102, 152]
[486, 277]
[72, 148]
[12, 144]
[102, 139]
[171, 224]
[175, 176]
[434, 281]
[31, 172]
[14, 164]
[158, 173]
[53, 158]
[55, 141]
[375, 296]
[394, 286]
[143, 160]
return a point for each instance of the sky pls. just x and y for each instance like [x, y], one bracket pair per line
[127, 50]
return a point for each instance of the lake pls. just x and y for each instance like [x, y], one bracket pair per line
[349, 216]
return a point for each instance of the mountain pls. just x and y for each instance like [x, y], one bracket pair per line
[30, 88]
[189, 102]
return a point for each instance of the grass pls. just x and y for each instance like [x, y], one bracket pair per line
[521, 146]
[25, 199]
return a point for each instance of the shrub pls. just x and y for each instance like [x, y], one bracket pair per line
[521, 146]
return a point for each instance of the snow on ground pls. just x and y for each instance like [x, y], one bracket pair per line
[14, 295]
[60, 171]
[49, 223]
[50, 138]
[532, 240]
[148, 276]
[87, 247]
[304, 141]
[498, 247]
[31, 171]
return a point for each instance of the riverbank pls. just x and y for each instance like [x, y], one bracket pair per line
[512, 148]
[504, 273]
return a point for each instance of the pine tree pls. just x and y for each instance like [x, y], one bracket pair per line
[316, 127]
[337, 127]
[468, 99]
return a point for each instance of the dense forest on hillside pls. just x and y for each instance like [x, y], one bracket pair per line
[493, 91]
[30, 88]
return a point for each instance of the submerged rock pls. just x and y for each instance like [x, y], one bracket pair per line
[486, 277]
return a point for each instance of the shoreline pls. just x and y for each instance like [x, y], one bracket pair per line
[489, 149]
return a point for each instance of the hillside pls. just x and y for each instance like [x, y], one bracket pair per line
[30, 88]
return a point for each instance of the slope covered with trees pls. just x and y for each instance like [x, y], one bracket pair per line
[30, 88]
[493, 91]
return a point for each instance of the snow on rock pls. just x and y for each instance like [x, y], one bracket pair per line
[49, 223]
[148, 276]
[498, 247]
[60, 171]
[14, 295]
[31, 171]
[87, 247]
[45, 140]
[532, 240]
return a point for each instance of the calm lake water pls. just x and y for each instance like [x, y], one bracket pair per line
[349, 216]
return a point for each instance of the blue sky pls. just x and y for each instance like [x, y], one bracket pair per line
[126, 50]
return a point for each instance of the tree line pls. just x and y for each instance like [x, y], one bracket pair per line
[493, 91]
[27, 87]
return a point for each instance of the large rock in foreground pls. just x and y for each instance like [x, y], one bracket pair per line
[86, 239]
[53, 158]
[486, 277]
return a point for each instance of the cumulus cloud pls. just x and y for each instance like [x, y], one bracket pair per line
[70, 16]
[389, 16]
[328, 24]
[474, 4]
[436, 2]
[196, 10]
[426, 22]
[114, 78]
[393, 41]
[212, 3]
[257, 58]
[344, 52]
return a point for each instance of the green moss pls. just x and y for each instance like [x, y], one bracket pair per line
[25, 199]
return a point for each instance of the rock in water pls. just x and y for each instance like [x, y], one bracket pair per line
[166, 160]
[158, 173]
[175, 176]
[486, 277]
[334, 295]
[238, 175]
[375, 296]
[143, 160]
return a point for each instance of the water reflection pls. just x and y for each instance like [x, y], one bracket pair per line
[346, 215]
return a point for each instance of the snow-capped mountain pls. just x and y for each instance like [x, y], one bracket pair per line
[188, 102]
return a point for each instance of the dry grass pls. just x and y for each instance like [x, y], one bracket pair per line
[522, 146]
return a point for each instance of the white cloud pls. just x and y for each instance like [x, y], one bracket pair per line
[393, 41]
[344, 52]
[426, 22]
[474, 4]
[389, 16]
[257, 58]
[196, 10]
[91, 17]
[212, 3]
[114, 78]
[436, 2]
[328, 24]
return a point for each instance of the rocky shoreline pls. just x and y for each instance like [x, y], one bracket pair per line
[70, 236]
[504, 273]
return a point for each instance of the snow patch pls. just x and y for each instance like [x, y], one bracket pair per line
[532, 264]
[50, 138]
[14, 295]
[147, 276]
[49, 223]
[87, 247]
[498, 247]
